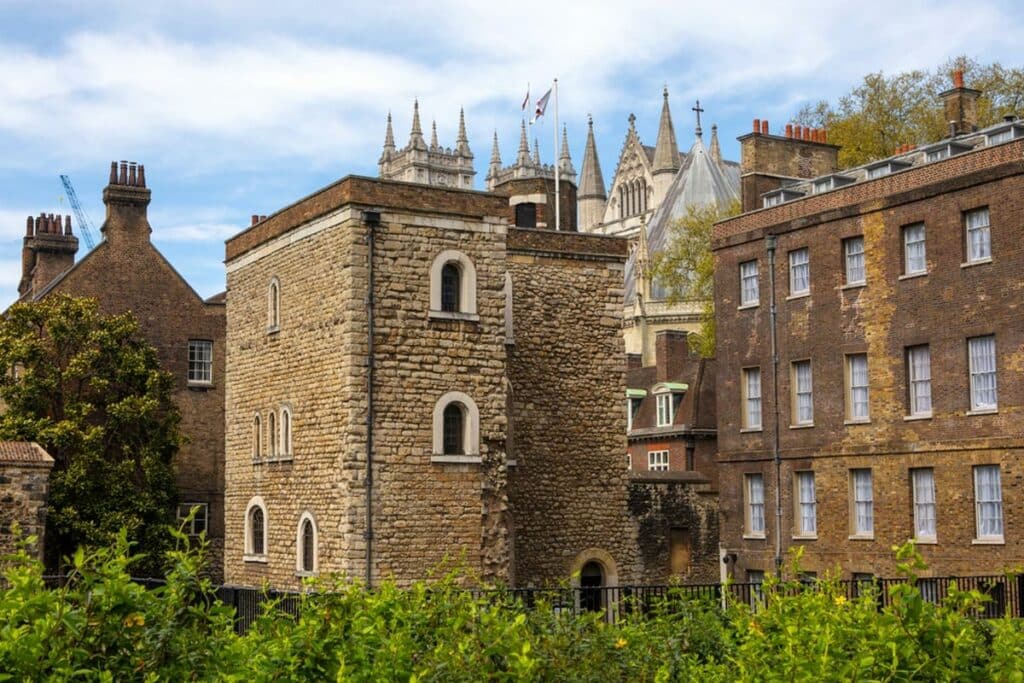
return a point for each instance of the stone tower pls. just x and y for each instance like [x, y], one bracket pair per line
[431, 164]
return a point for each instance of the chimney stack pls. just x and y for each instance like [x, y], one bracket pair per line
[961, 106]
[126, 198]
[48, 250]
[671, 350]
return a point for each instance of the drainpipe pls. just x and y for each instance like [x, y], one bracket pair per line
[372, 221]
[770, 245]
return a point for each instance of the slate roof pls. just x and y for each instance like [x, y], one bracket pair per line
[23, 452]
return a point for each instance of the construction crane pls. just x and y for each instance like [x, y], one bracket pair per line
[84, 224]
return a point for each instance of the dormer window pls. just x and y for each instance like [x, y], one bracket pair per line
[830, 183]
[668, 396]
[885, 168]
[777, 197]
[1001, 135]
[945, 150]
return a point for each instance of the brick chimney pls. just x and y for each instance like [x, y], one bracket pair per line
[767, 160]
[126, 198]
[670, 353]
[49, 249]
[961, 105]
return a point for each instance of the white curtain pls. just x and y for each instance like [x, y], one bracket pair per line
[978, 235]
[799, 271]
[804, 397]
[749, 284]
[808, 504]
[924, 503]
[855, 259]
[859, 386]
[921, 379]
[864, 500]
[756, 490]
[754, 398]
[914, 247]
[989, 495]
[983, 372]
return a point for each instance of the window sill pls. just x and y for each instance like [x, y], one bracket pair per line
[855, 285]
[302, 574]
[455, 459]
[745, 307]
[801, 295]
[273, 329]
[199, 386]
[983, 411]
[926, 541]
[979, 262]
[754, 537]
[989, 541]
[803, 426]
[750, 430]
[267, 461]
[861, 537]
[260, 559]
[453, 315]
[805, 537]
[857, 421]
[922, 416]
[911, 276]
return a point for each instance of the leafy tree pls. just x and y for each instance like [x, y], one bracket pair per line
[686, 267]
[883, 112]
[90, 391]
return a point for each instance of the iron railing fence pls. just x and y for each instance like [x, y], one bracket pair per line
[614, 603]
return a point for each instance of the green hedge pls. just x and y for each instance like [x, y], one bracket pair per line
[102, 626]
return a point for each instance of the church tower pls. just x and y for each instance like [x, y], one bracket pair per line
[592, 194]
[429, 165]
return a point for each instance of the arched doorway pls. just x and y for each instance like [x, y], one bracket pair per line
[591, 583]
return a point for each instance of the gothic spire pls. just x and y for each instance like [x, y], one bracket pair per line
[416, 135]
[666, 150]
[591, 180]
[462, 141]
[536, 152]
[389, 136]
[564, 160]
[433, 137]
[715, 151]
[523, 157]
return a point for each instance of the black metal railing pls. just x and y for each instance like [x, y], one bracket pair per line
[1006, 596]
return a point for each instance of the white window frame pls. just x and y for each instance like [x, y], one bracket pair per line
[200, 355]
[862, 503]
[910, 242]
[800, 389]
[250, 553]
[299, 546]
[919, 380]
[850, 257]
[755, 524]
[665, 404]
[751, 397]
[470, 427]
[185, 509]
[750, 286]
[467, 286]
[805, 511]
[285, 429]
[858, 392]
[657, 461]
[988, 506]
[984, 369]
[632, 408]
[274, 306]
[803, 266]
[922, 487]
[978, 233]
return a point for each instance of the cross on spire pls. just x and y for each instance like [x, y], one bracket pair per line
[699, 111]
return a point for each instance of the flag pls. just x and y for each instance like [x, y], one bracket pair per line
[542, 104]
[526, 100]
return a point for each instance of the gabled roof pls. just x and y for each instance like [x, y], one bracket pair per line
[23, 452]
[701, 181]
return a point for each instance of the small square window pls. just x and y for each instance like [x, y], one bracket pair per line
[197, 524]
[200, 361]
[657, 461]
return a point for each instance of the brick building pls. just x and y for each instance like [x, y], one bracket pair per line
[479, 365]
[125, 272]
[900, 340]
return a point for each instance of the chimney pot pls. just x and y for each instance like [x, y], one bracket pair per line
[958, 78]
[263, 217]
[824, 136]
[798, 131]
[757, 125]
[132, 179]
[122, 178]
[764, 127]
[789, 130]
[142, 175]
[67, 225]
[28, 227]
[255, 219]
[113, 172]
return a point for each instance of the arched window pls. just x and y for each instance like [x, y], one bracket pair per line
[272, 433]
[307, 555]
[256, 531]
[257, 437]
[454, 422]
[453, 286]
[456, 429]
[274, 306]
[284, 448]
[450, 281]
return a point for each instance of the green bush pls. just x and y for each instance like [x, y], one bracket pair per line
[101, 626]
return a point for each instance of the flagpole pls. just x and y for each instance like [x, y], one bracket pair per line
[558, 197]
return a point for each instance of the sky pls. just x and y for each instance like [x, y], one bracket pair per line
[238, 108]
